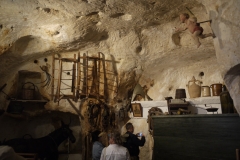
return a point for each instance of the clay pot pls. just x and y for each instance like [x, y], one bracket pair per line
[194, 88]
[216, 89]
[206, 91]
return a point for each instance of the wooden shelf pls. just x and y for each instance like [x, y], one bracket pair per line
[32, 101]
[18, 106]
[173, 107]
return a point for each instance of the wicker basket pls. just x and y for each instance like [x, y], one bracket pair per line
[28, 91]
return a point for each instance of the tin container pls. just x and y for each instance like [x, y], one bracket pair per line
[206, 91]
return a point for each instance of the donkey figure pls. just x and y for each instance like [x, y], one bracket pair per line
[46, 147]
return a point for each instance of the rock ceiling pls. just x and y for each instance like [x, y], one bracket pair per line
[139, 34]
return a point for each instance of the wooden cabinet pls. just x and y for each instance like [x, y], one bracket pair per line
[198, 137]
[173, 107]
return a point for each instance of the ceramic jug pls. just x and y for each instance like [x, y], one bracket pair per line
[206, 91]
[216, 89]
[194, 88]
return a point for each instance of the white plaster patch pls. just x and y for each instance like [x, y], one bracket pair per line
[127, 17]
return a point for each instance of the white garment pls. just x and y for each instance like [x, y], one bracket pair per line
[115, 152]
[7, 153]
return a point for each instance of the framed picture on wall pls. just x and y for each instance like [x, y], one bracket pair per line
[137, 109]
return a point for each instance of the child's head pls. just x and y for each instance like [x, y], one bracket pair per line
[183, 17]
[193, 19]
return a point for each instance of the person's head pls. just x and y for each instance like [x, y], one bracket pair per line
[95, 135]
[129, 127]
[114, 138]
[183, 17]
[193, 19]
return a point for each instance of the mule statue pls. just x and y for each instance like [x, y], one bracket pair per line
[46, 147]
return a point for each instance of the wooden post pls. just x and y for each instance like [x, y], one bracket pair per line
[78, 77]
[53, 76]
[98, 77]
[74, 77]
[86, 75]
[57, 97]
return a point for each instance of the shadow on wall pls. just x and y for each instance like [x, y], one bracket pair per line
[21, 44]
[41, 126]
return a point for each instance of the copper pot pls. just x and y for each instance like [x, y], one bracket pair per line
[216, 89]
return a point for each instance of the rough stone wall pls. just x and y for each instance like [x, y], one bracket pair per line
[138, 34]
[225, 16]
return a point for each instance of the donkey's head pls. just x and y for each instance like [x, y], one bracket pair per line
[67, 132]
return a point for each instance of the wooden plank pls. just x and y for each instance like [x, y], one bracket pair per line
[57, 96]
[86, 74]
[78, 77]
[196, 137]
[73, 88]
[53, 76]
[84, 86]
[98, 75]
[105, 81]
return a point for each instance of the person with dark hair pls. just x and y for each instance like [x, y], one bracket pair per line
[97, 144]
[133, 142]
[115, 150]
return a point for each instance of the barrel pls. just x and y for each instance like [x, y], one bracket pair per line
[180, 93]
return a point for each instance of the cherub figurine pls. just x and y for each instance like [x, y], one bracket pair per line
[194, 27]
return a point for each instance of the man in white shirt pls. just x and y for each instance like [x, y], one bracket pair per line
[115, 151]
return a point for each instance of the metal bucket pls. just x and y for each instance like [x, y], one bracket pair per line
[180, 93]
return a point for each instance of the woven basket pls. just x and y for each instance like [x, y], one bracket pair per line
[28, 91]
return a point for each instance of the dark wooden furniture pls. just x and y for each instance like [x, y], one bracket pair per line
[173, 107]
[196, 137]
